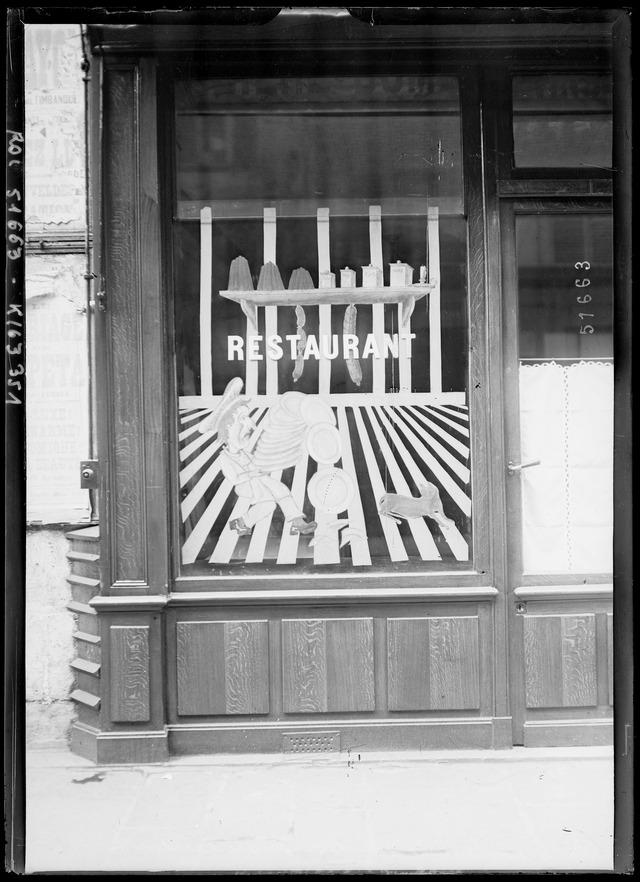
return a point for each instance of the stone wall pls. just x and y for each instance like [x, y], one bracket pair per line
[49, 646]
[57, 366]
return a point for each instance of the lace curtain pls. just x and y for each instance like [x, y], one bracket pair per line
[567, 501]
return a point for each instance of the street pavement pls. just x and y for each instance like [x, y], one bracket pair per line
[442, 811]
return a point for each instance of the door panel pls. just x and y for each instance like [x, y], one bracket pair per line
[560, 661]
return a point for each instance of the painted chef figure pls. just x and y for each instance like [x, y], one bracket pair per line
[235, 428]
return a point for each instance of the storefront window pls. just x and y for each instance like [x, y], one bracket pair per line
[321, 326]
[562, 121]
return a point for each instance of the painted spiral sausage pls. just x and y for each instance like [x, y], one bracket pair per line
[349, 327]
[301, 280]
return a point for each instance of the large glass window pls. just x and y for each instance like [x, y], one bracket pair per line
[321, 326]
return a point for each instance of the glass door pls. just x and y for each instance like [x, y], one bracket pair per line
[559, 430]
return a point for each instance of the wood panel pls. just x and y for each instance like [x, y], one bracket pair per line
[130, 335]
[246, 674]
[434, 663]
[554, 187]
[121, 254]
[560, 661]
[200, 668]
[610, 656]
[154, 333]
[222, 668]
[453, 663]
[304, 661]
[408, 664]
[579, 681]
[480, 412]
[328, 665]
[543, 661]
[129, 673]
[350, 681]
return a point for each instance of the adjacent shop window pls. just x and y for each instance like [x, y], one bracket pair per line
[565, 309]
[562, 121]
[321, 326]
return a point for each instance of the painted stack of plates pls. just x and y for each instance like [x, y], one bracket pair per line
[331, 489]
[281, 443]
[298, 422]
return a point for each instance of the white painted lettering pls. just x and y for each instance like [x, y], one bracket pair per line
[350, 344]
[293, 340]
[330, 352]
[253, 345]
[370, 347]
[274, 349]
[311, 348]
[407, 338]
[235, 344]
[391, 344]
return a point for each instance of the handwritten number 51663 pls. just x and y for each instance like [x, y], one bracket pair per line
[585, 298]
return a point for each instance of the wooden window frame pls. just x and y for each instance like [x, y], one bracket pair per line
[480, 572]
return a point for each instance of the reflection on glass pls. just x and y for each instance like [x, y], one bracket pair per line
[338, 140]
[562, 121]
[565, 285]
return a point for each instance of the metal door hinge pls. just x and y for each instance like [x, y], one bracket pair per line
[628, 739]
[89, 474]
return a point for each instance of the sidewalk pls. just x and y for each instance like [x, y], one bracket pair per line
[521, 809]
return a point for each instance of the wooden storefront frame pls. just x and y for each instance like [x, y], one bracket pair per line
[142, 591]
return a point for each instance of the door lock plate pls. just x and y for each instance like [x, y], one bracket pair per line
[89, 474]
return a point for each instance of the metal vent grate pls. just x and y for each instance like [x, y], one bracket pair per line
[311, 742]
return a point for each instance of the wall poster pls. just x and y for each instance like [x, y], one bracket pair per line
[321, 327]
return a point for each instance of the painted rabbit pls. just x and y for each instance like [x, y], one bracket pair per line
[428, 504]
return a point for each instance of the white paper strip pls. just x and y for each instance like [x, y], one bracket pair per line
[206, 257]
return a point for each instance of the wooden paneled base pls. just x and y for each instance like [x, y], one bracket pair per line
[119, 747]
[568, 733]
[435, 734]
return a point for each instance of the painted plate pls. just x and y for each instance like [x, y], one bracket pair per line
[314, 410]
[275, 435]
[290, 402]
[324, 443]
[277, 416]
[331, 490]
